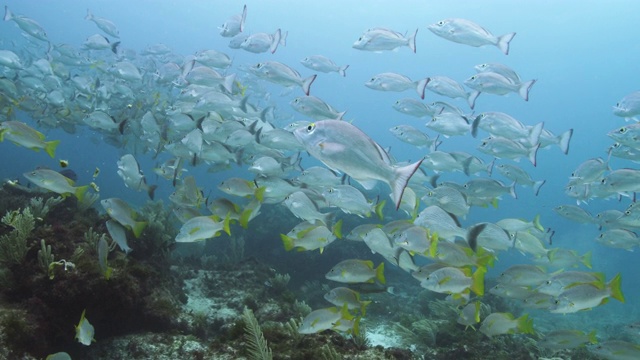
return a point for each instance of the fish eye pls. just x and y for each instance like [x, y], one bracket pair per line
[473, 77]
[310, 127]
[440, 23]
[360, 38]
[628, 212]
[622, 130]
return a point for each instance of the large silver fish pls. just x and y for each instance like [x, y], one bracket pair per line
[469, 33]
[343, 147]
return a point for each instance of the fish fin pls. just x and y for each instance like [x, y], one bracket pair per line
[565, 138]
[592, 337]
[473, 96]
[378, 209]
[337, 229]
[586, 259]
[412, 42]
[477, 281]
[400, 180]
[525, 325]
[306, 84]
[472, 235]
[226, 222]
[288, 242]
[524, 89]
[421, 85]
[228, 82]
[380, 273]
[114, 47]
[80, 191]
[534, 133]
[533, 153]
[50, 147]
[616, 291]
[503, 42]
[537, 185]
[244, 17]
[275, 42]
[138, 227]
[342, 70]
[8, 15]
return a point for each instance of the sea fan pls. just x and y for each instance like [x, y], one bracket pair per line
[257, 345]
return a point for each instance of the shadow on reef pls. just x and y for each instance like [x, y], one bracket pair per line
[42, 302]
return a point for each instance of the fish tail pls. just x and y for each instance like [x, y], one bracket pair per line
[421, 85]
[503, 42]
[283, 38]
[138, 227]
[592, 337]
[533, 153]
[400, 181]
[226, 222]
[80, 191]
[534, 133]
[472, 235]
[412, 42]
[306, 84]
[537, 224]
[244, 17]
[379, 207]
[512, 190]
[586, 259]
[476, 313]
[50, 147]
[114, 47]
[342, 70]
[471, 99]
[363, 307]
[228, 82]
[336, 229]
[537, 185]
[380, 273]
[8, 15]
[525, 325]
[565, 138]
[276, 41]
[474, 124]
[287, 241]
[477, 281]
[523, 91]
[89, 15]
[151, 191]
[244, 218]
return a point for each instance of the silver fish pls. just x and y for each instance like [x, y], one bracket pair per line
[396, 82]
[469, 33]
[629, 106]
[343, 147]
[378, 39]
[323, 64]
[234, 25]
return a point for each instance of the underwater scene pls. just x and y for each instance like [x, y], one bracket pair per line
[319, 180]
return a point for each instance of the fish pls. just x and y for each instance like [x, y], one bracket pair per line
[345, 148]
[629, 107]
[413, 136]
[27, 25]
[316, 236]
[520, 176]
[493, 83]
[351, 201]
[279, 73]
[202, 227]
[315, 108]
[341, 295]
[574, 213]
[415, 239]
[469, 33]
[589, 171]
[378, 39]
[587, 296]
[446, 86]
[84, 330]
[56, 182]
[523, 275]
[22, 134]
[559, 282]
[129, 170]
[448, 199]
[396, 82]
[470, 314]
[616, 350]
[118, 234]
[414, 108]
[622, 180]
[619, 238]
[11, 60]
[326, 319]
[449, 124]
[104, 24]
[501, 69]
[262, 42]
[234, 25]
[304, 208]
[213, 58]
[99, 42]
[356, 271]
[452, 280]
[504, 148]
[324, 64]
[120, 211]
[506, 323]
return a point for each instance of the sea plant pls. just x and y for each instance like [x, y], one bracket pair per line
[13, 246]
[40, 208]
[257, 345]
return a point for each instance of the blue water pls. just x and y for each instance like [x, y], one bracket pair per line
[584, 55]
